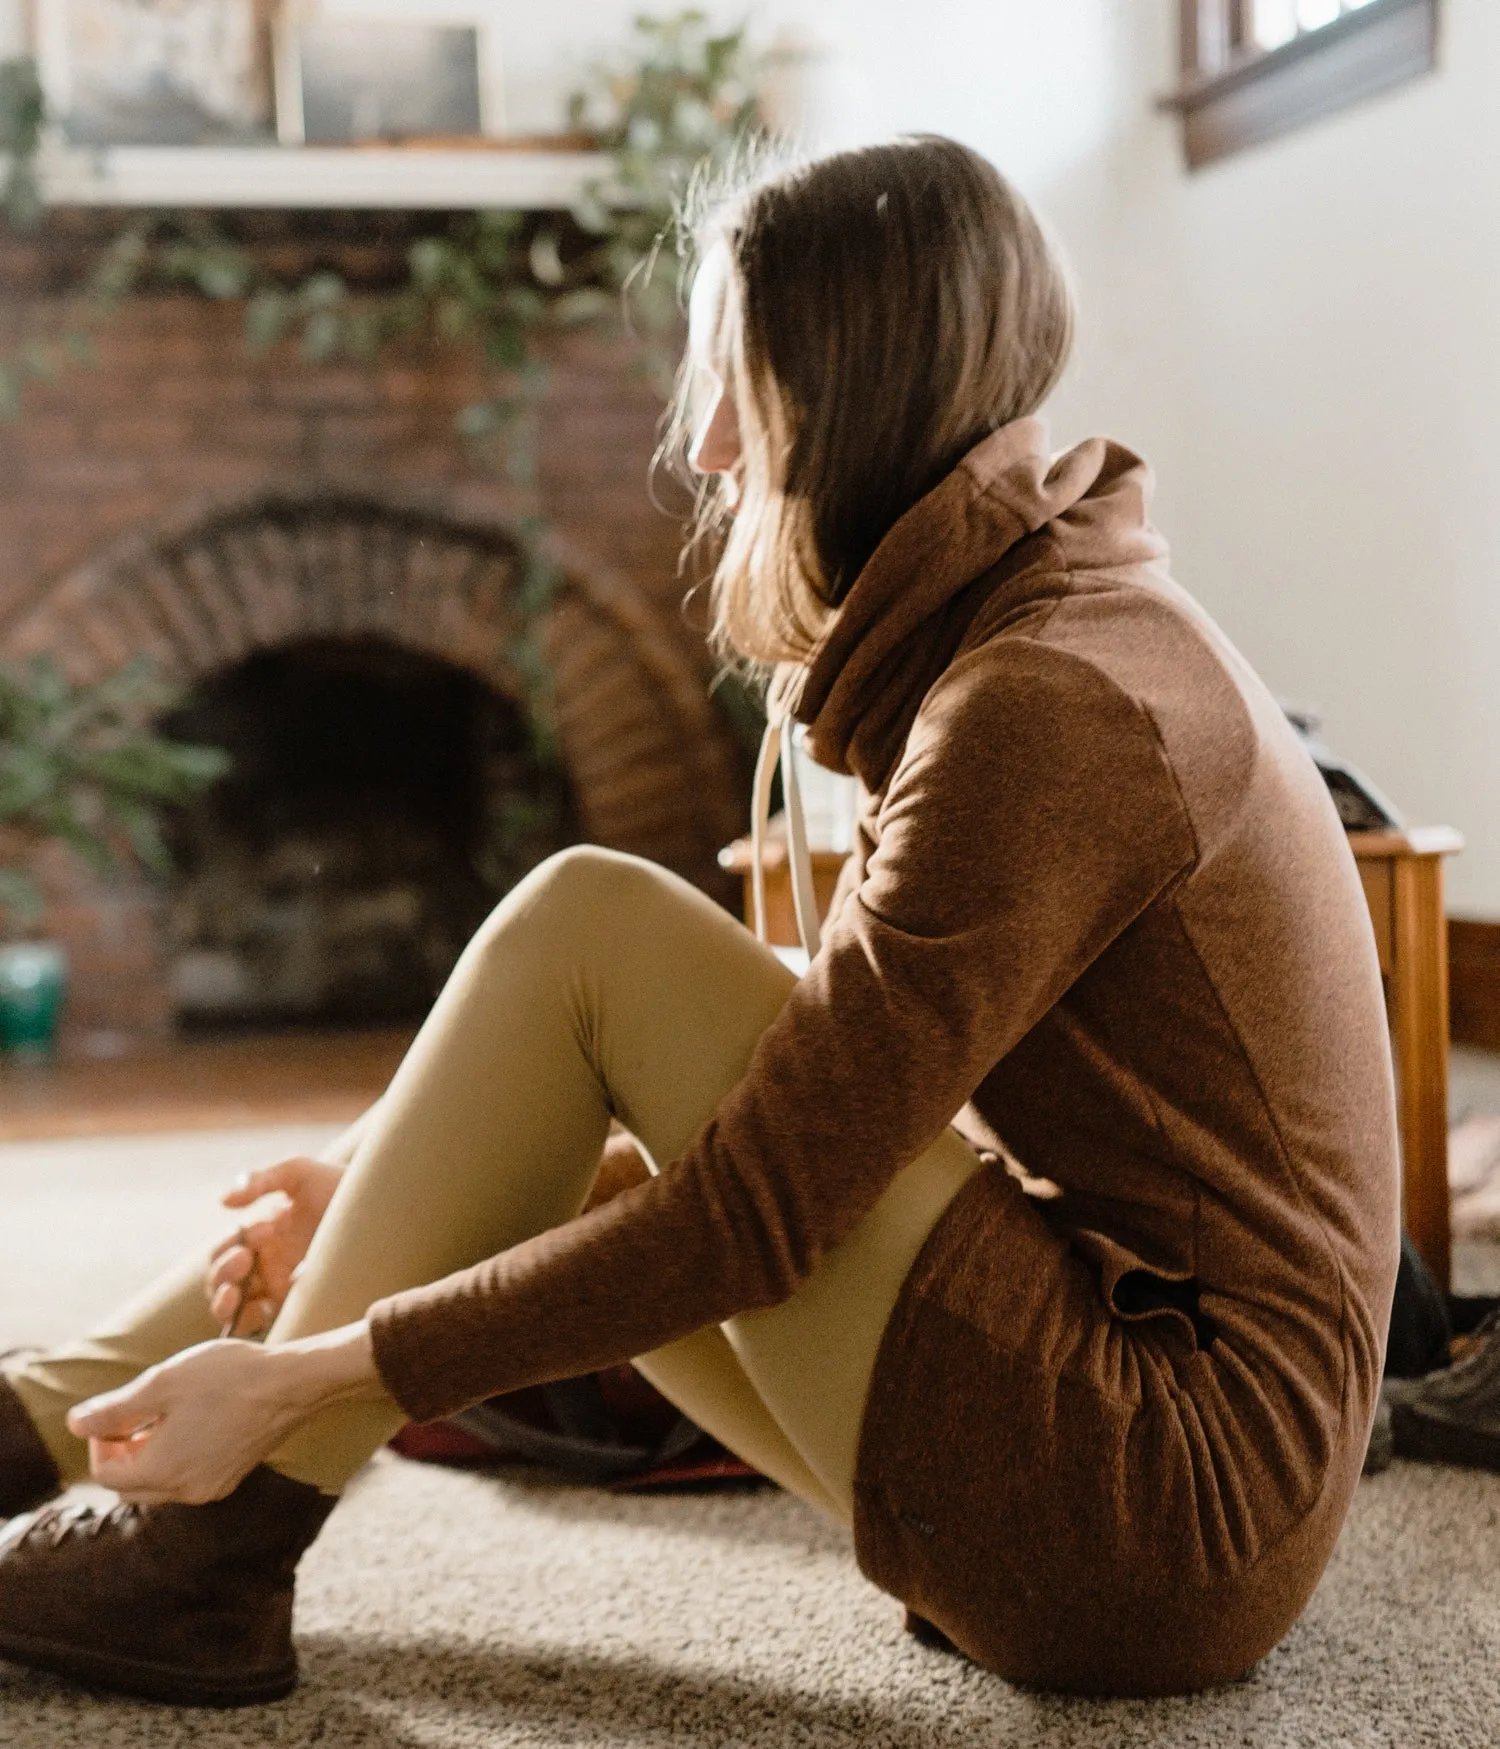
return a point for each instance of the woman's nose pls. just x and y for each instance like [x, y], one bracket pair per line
[717, 447]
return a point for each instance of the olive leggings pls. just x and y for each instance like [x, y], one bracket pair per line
[602, 985]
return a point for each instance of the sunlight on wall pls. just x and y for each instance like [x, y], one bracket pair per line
[1304, 341]
[1035, 87]
[1328, 328]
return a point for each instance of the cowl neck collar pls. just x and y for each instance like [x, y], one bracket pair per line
[905, 613]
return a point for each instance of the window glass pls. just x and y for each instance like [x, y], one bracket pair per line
[1274, 22]
[1253, 69]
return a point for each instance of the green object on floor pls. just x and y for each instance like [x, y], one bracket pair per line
[33, 981]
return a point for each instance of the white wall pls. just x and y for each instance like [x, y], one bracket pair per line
[548, 50]
[1305, 341]
[538, 52]
[1331, 321]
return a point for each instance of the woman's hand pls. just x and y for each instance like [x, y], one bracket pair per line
[191, 1429]
[251, 1273]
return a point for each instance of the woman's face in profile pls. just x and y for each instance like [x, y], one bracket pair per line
[715, 447]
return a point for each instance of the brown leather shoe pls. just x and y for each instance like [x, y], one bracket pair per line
[191, 1605]
[28, 1476]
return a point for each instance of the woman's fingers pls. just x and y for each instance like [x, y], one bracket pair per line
[122, 1464]
[286, 1176]
[228, 1282]
[237, 1259]
[122, 1451]
[258, 1260]
[237, 1292]
[191, 1428]
[251, 1315]
[233, 1267]
[141, 1470]
[252, 1319]
[230, 1302]
[122, 1414]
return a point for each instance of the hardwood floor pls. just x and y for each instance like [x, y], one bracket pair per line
[220, 1083]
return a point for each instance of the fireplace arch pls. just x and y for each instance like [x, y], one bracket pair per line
[655, 768]
[652, 765]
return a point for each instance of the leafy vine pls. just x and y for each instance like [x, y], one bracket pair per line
[492, 281]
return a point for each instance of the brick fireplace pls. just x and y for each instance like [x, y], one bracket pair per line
[217, 509]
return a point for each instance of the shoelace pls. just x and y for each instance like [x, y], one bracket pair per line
[1482, 1341]
[63, 1524]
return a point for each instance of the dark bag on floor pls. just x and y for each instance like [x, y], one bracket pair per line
[609, 1427]
[1421, 1327]
[591, 1429]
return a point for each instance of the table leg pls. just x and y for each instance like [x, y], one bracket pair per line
[1419, 1024]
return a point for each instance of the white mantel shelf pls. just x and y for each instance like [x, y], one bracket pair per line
[310, 177]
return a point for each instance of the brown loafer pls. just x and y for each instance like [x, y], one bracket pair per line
[1452, 1415]
[28, 1476]
[191, 1605]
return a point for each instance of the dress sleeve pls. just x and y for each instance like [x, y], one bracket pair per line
[1032, 818]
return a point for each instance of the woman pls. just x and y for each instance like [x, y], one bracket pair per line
[1096, 1423]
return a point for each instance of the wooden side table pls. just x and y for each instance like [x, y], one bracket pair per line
[1402, 874]
[781, 910]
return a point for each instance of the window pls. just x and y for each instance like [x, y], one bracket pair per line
[1252, 69]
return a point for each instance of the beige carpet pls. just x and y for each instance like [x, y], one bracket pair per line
[444, 1611]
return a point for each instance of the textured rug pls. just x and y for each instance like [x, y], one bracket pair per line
[446, 1610]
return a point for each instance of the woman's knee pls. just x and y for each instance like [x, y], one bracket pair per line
[574, 893]
[586, 881]
[589, 909]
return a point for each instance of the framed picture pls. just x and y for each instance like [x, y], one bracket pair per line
[156, 72]
[346, 80]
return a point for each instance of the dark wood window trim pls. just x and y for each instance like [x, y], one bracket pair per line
[1259, 93]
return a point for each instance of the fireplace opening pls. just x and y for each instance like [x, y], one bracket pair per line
[380, 801]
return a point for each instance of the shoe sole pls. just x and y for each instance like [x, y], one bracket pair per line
[1442, 1442]
[144, 1680]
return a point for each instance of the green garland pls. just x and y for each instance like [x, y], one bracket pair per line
[490, 281]
[493, 280]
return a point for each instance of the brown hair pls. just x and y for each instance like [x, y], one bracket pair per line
[886, 309]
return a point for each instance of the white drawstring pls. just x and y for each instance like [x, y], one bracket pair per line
[760, 813]
[778, 737]
[804, 896]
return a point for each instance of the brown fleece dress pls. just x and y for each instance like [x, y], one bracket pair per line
[1101, 901]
